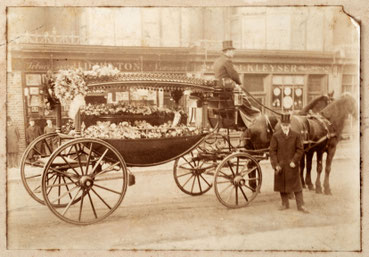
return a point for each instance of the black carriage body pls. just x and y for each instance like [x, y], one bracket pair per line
[153, 151]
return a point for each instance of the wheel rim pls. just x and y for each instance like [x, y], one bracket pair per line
[237, 180]
[193, 174]
[90, 187]
[32, 163]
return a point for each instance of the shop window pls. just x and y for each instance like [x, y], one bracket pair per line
[254, 83]
[349, 83]
[287, 92]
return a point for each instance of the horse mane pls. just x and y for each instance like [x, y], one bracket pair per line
[312, 104]
[337, 111]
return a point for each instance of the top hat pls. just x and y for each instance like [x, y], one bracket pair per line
[286, 118]
[227, 45]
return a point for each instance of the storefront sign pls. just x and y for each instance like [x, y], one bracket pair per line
[135, 65]
[282, 68]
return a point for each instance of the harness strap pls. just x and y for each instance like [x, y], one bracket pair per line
[269, 124]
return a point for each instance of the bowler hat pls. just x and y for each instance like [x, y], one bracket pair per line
[32, 119]
[286, 118]
[227, 45]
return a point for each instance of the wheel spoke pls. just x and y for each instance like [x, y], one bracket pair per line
[244, 195]
[238, 162]
[70, 203]
[79, 159]
[60, 184]
[193, 184]
[106, 170]
[98, 162]
[64, 194]
[81, 205]
[188, 162]
[198, 179]
[184, 174]
[52, 183]
[226, 188]
[34, 176]
[36, 188]
[108, 189]
[101, 198]
[230, 195]
[205, 180]
[88, 158]
[47, 145]
[252, 189]
[66, 185]
[236, 195]
[69, 165]
[188, 180]
[92, 205]
[248, 171]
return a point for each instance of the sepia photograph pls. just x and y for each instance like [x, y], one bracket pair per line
[215, 129]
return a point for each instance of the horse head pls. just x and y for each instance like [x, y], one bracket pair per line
[317, 104]
[260, 131]
[337, 111]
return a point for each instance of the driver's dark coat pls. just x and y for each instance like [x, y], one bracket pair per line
[284, 149]
[223, 69]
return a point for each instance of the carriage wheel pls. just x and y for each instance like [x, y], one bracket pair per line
[193, 173]
[33, 161]
[91, 186]
[237, 180]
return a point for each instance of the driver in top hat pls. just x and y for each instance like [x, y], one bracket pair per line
[223, 66]
[227, 77]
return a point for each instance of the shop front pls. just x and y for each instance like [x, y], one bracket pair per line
[282, 80]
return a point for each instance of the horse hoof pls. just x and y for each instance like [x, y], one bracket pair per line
[327, 192]
[318, 191]
[311, 187]
[303, 186]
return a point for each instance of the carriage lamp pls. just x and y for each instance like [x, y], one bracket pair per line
[237, 97]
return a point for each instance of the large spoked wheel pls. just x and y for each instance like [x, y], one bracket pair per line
[237, 180]
[33, 162]
[193, 172]
[88, 176]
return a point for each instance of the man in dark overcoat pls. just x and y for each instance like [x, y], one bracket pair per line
[32, 132]
[286, 150]
[12, 139]
[228, 78]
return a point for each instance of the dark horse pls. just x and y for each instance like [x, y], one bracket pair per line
[311, 129]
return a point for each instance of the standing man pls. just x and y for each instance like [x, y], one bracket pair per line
[51, 142]
[286, 150]
[227, 78]
[32, 132]
[12, 139]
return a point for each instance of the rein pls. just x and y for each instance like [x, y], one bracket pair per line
[259, 103]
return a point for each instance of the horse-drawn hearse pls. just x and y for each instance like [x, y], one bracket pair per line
[83, 178]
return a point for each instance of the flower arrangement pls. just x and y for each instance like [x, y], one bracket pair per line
[139, 130]
[69, 84]
[123, 108]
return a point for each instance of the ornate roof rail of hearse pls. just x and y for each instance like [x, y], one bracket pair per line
[163, 81]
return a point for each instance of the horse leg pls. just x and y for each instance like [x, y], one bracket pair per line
[328, 165]
[319, 168]
[302, 166]
[309, 161]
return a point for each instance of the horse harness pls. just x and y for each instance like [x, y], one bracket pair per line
[326, 124]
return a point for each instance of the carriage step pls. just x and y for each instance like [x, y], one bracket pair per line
[131, 179]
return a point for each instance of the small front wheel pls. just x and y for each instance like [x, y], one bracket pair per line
[237, 180]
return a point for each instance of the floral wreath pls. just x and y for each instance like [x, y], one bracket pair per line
[71, 83]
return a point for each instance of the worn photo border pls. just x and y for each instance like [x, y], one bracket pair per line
[357, 9]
